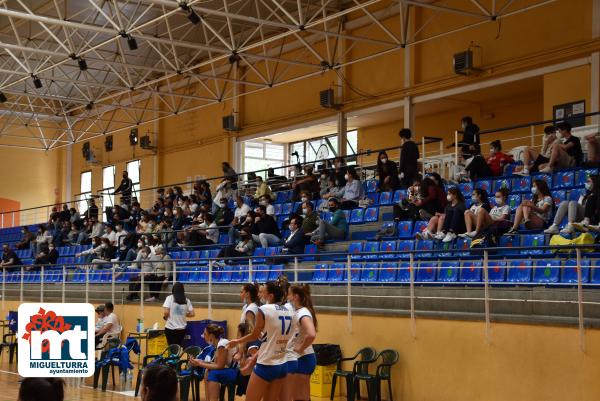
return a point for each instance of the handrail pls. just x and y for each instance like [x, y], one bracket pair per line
[525, 125]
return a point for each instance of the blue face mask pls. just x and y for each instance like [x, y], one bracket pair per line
[534, 190]
[589, 186]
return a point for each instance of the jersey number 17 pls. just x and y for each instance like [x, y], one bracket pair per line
[286, 324]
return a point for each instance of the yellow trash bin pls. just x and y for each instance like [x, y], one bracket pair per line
[157, 342]
[320, 381]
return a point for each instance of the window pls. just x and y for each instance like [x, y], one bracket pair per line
[108, 186]
[133, 169]
[85, 190]
[307, 150]
[262, 155]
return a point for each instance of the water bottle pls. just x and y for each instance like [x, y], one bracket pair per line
[140, 325]
[129, 375]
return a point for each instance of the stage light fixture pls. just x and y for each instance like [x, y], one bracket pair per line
[36, 81]
[131, 42]
[82, 64]
[2, 97]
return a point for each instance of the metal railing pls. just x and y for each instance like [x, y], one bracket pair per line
[411, 270]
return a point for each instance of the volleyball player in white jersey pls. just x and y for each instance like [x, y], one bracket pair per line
[276, 322]
[300, 346]
[219, 369]
[249, 295]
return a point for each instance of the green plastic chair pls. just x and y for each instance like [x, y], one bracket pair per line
[111, 343]
[365, 356]
[389, 358]
[186, 374]
[169, 357]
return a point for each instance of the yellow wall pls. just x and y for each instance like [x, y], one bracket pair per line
[567, 86]
[450, 360]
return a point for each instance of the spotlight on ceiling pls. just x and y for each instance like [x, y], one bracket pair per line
[193, 17]
[131, 42]
[36, 81]
[2, 97]
[82, 64]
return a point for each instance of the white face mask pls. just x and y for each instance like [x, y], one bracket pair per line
[346, 177]
[474, 199]
[304, 211]
[559, 135]
[534, 190]
[589, 186]
[263, 301]
[235, 204]
[304, 199]
[499, 201]
[263, 202]
[140, 244]
[449, 198]
[166, 214]
[104, 246]
[384, 160]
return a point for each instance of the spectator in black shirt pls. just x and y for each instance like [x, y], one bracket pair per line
[476, 165]
[265, 230]
[309, 182]
[566, 152]
[92, 211]
[387, 172]
[409, 156]
[276, 182]
[339, 171]
[65, 214]
[10, 260]
[125, 189]
[470, 132]
[48, 256]
[28, 236]
[295, 242]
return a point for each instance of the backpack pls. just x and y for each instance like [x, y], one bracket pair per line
[327, 354]
[583, 239]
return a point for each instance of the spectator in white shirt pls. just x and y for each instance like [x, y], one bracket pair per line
[241, 210]
[265, 200]
[111, 326]
[120, 235]
[177, 308]
[110, 234]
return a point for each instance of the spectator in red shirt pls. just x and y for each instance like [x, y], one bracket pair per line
[498, 160]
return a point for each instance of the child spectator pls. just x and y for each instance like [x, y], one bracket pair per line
[566, 153]
[581, 213]
[498, 160]
[539, 158]
[535, 213]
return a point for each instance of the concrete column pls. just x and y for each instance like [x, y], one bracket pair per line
[342, 128]
[68, 173]
[595, 67]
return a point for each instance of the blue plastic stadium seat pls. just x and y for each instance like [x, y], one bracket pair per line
[559, 196]
[546, 271]
[519, 271]
[275, 273]
[563, 179]
[354, 248]
[326, 216]
[466, 187]
[569, 271]
[575, 194]
[282, 197]
[463, 247]
[371, 186]
[496, 271]
[374, 198]
[583, 175]
[357, 216]
[371, 215]
[419, 226]
[509, 242]
[501, 183]
[355, 270]
[406, 245]
[403, 275]
[320, 273]
[347, 214]
[388, 272]
[533, 241]
[277, 207]
[426, 272]
[448, 272]
[310, 249]
[273, 251]
[336, 272]
[514, 201]
[261, 273]
[399, 195]
[286, 209]
[389, 247]
[386, 198]
[371, 246]
[521, 184]
[544, 177]
[221, 274]
[369, 272]
[485, 185]
[405, 229]
[447, 247]
[423, 245]
[388, 225]
[595, 272]
[471, 271]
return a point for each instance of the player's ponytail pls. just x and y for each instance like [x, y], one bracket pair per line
[215, 330]
[274, 288]
[303, 292]
[252, 290]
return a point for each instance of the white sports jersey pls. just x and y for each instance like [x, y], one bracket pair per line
[252, 307]
[297, 337]
[230, 352]
[277, 332]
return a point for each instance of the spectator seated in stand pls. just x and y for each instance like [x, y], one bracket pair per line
[262, 189]
[479, 208]
[92, 210]
[337, 229]
[409, 156]
[475, 164]
[498, 217]
[296, 240]
[530, 154]
[446, 226]
[432, 197]
[407, 209]
[265, 200]
[244, 246]
[353, 192]
[593, 149]
[10, 260]
[26, 240]
[243, 218]
[566, 152]
[43, 238]
[223, 216]
[265, 231]
[106, 255]
[334, 189]
[387, 172]
[310, 219]
[309, 183]
[535, 213]
[583, 214]
[498, 160]
[47, 256]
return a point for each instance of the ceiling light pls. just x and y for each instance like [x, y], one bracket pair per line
[82, 64]
[36, 81]
[131, 42]
[193, 17]
[2, 97]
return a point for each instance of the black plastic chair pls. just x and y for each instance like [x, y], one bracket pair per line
[110, 344]
[187, 375]
[367, 356]
[389, 358]
[11, 345]
[169, 357]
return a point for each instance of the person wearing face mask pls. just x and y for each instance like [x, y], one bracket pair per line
[296, 240]
[334, 189]
[92, 211]
[566, 153]
[582, 214]
[107, 253]
[244, 247]
[445, 226]
[309, 183]
[542, 157]
[125, 189]
[535, 213]
[143, 263]
[353, 191]
[262, 189]
[243, 217]
[479, 207]
[470, 131]
[475, 164]
[498, 160]
[162, 271]
[177, 219]
[110, 234]
[265, 201]
[223, 193]
[310, 219]
[48, 256]
[387, 171]
[26, 239]
[497, 219]
[409, 157]
[223, 216]
[337, 229]
[265, 230]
